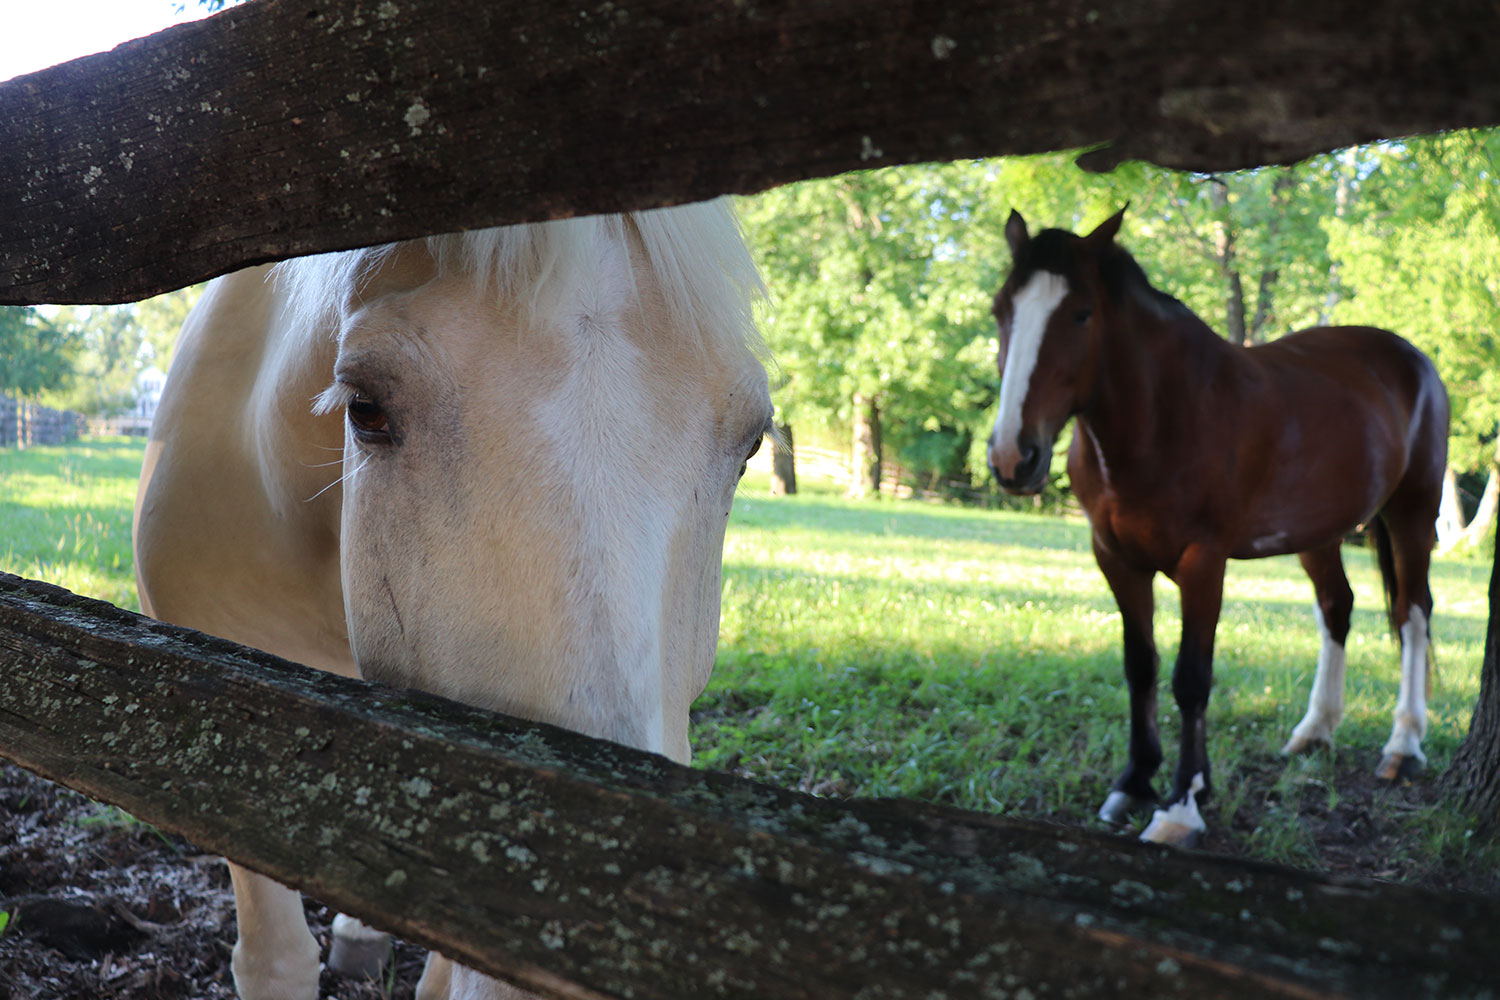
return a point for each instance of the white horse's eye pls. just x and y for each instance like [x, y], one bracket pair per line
[368, 419]
[751, 454]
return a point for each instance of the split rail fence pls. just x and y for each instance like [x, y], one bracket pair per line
[579, 868]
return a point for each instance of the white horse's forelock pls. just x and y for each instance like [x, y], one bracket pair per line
[696, 253]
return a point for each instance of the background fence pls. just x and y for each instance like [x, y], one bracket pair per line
[24, 424]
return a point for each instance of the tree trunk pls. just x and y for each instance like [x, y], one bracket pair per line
[1476, 767]
[1264, 295]
[864, 464]
[1265, 291]
[1234, 287]
[1450, 522]
[783, 462]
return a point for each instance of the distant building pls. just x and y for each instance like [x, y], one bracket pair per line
[148, 386]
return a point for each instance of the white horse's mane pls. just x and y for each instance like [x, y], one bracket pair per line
[696, 252]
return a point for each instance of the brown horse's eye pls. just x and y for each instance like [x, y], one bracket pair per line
[368, 419]
[1083, 315]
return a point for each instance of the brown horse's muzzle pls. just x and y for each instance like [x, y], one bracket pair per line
[1022, 467]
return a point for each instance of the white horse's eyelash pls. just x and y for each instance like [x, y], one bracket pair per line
[333, 398]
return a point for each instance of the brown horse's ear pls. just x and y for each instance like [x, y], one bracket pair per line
[1015, 233]
[1105, 234]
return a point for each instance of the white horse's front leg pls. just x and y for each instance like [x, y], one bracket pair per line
[471, 985]
[436, 980]
[276, 956]
[1403, 751]
[357, 950]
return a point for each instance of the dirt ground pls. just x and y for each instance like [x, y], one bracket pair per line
[102, 906]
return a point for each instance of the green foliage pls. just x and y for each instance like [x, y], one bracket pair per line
[4, 921]
[94, 354]
[1419, 252]
[35, 354]
[881, 281]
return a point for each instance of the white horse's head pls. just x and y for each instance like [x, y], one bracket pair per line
[544, 428]
[539, 429]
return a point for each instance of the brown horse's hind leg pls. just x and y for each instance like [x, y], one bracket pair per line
[1132, 791]
[1335, 603]
[1408, 533]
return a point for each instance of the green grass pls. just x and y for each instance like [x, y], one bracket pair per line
[969, 657]
[65, 515]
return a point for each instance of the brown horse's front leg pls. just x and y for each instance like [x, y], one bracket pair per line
[1200, 579]
[1132, 790]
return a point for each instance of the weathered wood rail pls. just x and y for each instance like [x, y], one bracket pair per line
[286, 127]
[583, 869]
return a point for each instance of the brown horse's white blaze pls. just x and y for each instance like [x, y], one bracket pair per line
[1014, 456]
[511, 490]
[1190, 451]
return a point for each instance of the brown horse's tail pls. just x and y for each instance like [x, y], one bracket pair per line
[1386, 558]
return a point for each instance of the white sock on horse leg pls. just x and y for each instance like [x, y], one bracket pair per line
[1325, 705]
[1411, 703]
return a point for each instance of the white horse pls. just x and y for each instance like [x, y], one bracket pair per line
[495, 466]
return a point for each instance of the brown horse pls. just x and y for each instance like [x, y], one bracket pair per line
[1190, 450]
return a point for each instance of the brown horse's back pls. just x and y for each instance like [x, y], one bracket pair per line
[1350, 419]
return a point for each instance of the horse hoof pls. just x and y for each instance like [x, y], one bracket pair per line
[1305, 744]
[357, 951]
[1180, 824]
[1173, 834]
[1396, 766]
[1120, 806]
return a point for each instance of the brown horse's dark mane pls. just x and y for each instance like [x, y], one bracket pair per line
[1057, 250]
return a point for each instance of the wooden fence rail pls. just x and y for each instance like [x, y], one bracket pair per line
[285, 127]
[584, 869]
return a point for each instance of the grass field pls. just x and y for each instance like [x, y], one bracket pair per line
[65, 515]
[883, 648]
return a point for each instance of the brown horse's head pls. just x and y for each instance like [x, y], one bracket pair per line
[1050, 313]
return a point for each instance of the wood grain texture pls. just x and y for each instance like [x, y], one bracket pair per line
[581, 869]
[286, 127]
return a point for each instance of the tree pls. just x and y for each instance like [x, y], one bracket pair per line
[1419, 253]
[879, 317]
[111, 345]
[35, 354]
[1475, 770]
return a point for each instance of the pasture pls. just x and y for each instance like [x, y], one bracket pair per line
[898, 648]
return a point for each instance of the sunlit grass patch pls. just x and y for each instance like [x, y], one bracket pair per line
[66, 512]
